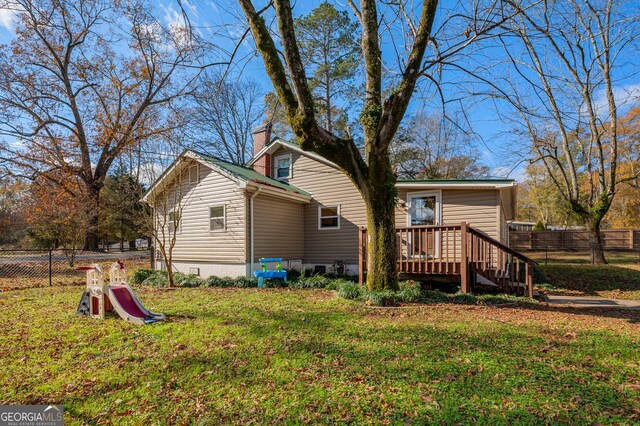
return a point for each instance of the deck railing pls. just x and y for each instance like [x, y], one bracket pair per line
[457, 250]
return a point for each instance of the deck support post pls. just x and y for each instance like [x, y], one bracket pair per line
[464, 263]
[529, 278]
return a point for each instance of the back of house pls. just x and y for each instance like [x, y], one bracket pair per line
[296, 205]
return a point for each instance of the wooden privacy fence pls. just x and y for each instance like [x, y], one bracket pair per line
[574, 239]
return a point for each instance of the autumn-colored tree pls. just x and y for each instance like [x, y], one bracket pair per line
[56, 218]
[82, 81]
[540, 201]
[625, 210]
[11, 220]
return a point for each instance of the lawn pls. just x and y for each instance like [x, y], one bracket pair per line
[572, 273]
[305, 356]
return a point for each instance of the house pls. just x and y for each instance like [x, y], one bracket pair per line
[296, 205]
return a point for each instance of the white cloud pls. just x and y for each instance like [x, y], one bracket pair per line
[7, 17]
[625, 96]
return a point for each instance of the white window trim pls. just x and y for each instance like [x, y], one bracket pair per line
[326, 228]
[275, 166]
[196, 166]
[437, 193]
[224, 218]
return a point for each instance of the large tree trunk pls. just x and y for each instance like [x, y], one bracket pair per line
[595, 242]
[380, 205]
[92, 241]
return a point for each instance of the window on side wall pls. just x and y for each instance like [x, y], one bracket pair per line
[282, 166]
[172, 218]
[217, 218]
[329, 217]
[194, 173]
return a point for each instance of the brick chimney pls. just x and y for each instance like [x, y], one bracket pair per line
[262, 138]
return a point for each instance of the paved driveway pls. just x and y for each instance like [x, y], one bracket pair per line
[592, 302]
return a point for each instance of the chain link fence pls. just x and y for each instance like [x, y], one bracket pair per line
[40, 268]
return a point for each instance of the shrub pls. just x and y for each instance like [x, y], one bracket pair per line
[314, 281]
[381, 298]
[464, 298]
[215, 281]
[349, 290]
[140, 275]
[187, 280]
[157, 279]
[410, 291]
[244, 282]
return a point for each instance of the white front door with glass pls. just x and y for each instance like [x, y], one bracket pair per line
[423, 208]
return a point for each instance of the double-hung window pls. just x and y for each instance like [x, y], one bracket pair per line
[329, 217]
[282, 166]
[217, 218]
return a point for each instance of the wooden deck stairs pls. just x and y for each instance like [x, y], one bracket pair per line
[457, 250]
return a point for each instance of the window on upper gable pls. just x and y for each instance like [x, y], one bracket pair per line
[194, 173]
[282, 166]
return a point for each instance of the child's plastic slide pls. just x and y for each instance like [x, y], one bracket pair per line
[128, 306]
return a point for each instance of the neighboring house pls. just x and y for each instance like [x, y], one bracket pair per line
[296, 205]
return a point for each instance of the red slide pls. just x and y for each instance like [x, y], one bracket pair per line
[125, 300]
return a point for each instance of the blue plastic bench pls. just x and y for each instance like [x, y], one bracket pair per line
[270, 273]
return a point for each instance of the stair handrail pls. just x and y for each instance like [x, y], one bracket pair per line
[500, 245]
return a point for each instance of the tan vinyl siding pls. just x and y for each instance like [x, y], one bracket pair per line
[279, 229]
[328, 187]
[477, 207]
[195, 242]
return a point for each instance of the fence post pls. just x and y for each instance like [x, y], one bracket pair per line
[464, 264]
[50, 269]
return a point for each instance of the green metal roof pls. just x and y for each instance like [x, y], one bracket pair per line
[248, 174]
[456, 181]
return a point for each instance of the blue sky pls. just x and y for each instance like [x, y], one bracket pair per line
[221, 23]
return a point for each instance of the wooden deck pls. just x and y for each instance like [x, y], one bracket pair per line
[457, 250]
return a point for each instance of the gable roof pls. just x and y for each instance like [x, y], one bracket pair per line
[276, 143]
[243, 176]
[248, 174]
[489, 183]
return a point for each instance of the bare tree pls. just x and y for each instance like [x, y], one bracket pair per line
[164, 219]
[433, 147]
[407, 31]
[82, 81]
[225, 111]
[168, 183]
[560, 75]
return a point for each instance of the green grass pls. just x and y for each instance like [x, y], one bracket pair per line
[306, 356]
[572, 273]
